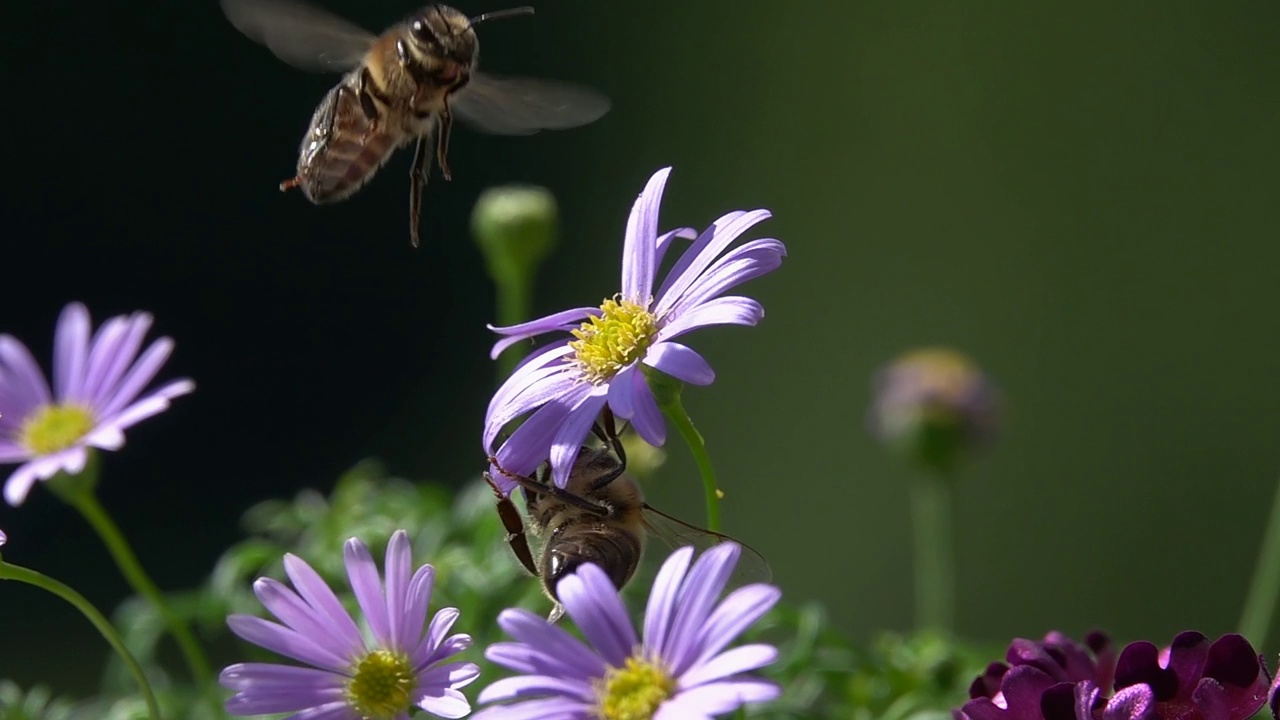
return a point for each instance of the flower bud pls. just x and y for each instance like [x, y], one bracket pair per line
[515, 226]
[934, 407]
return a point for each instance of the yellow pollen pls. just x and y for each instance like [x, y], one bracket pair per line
[609, 343]
[634, 692]
[54, 427]
[382, 686]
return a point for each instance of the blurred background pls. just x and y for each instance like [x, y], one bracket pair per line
[1080, 195]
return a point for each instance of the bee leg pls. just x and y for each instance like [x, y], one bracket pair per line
[291, 183]
[607, 431]
[418, 175]
[514, 526]
[557, 612]
[551, 489]
[442, 140]
[364, 93]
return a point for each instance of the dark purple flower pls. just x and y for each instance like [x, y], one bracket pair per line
[566, 384]
[98, 383]
[680, 668]
[1057, 679]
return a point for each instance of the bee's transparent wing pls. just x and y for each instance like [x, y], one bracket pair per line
[301, 34]
[751, 567]
[523, 106]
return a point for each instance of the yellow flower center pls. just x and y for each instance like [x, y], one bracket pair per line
[612, 341]
[634, 692]
[54, 427]
[382, 685]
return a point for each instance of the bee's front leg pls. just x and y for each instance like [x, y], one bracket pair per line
[418, 175]
[442, 140]
[365, 94]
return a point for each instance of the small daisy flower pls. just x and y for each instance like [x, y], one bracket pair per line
[97, 381]
[679, 670]
[352, 678]
[1191, 679]
[568, 383]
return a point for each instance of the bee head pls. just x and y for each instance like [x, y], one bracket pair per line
[443, 32]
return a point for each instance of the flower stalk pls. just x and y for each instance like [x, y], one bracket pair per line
[77, 491]
[667, 391]
[99, 621]
[935, 579]
[1264, 589]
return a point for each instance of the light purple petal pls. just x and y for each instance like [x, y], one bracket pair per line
[720, 698]
[512, 334]
[680, 362]
[20, 378]
[142, 372]
[555, 708]
[72, 460]
[545, 385]
[660, 612]
[102, 351]
[622, 392]
[701, 254]
[680, 274]
[728, 310]
[449, 675]
[153, 404]
[593, 602]
[398, 568]
[265, 688]
[701, 590]
[328, 711]
[112, 356]
[444, 702]
[70, 352]
[288, 607]
[12, 452]
[542, 648]
[639, 247]
[756, 258]
[731, 662]
[416, 608]
[569, 438]
[735, 614]
[284, 641]
[666, 239]
[432, 642]
[308, 583]
[647, 419]
[525, 686]
[362, 571]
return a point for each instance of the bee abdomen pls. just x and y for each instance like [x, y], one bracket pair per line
[343, 148]
[614, 550]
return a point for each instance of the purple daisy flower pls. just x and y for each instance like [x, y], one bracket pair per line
[352, 678]
[96, 386]
[680, 670]
[569, 382]
[1192, 679]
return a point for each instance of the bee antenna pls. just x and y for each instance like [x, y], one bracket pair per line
[496, 14]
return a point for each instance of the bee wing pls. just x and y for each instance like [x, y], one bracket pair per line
[751, 567]
[300, 34]
[523, 106]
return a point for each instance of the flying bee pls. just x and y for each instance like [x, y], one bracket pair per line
[599, 517]
[404, 86]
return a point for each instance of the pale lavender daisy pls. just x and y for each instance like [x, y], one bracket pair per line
[568, 383]
[679, 670]
[98, 379]
[353, 677]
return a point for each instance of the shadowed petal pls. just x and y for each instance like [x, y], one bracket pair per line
[659, 613]
[103, 349]
[665, 240]
[367, 586]
[680, 362]
[555, 708]
[728, 310]
[756, 258]
[323, 601]
[646, 418]
[284, 641]
[639, 247]
[525, 686]
[563, 320]
[738, 611]
[731, 662]
[593, 602]
[290, 609]
[543, 648]
[142, 372]
[20, 378]
[1131, 703]
[698, 595]
[569, 438]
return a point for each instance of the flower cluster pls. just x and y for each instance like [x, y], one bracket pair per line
[609, 350]
[1056, 679]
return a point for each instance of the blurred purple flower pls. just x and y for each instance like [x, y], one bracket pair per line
[569, 382]
[352, 678]
[1056, 679]
[3, 538]
[679, 669]
[96, 384]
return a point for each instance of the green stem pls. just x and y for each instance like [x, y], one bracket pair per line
[78, 601]
[673, 408]
[934, 568]
[1264, 591]
[515, 296]
[88, 505]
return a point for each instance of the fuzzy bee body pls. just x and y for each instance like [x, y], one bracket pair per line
[405, 86]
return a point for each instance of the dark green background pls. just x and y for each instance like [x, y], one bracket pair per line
[1082, 195]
